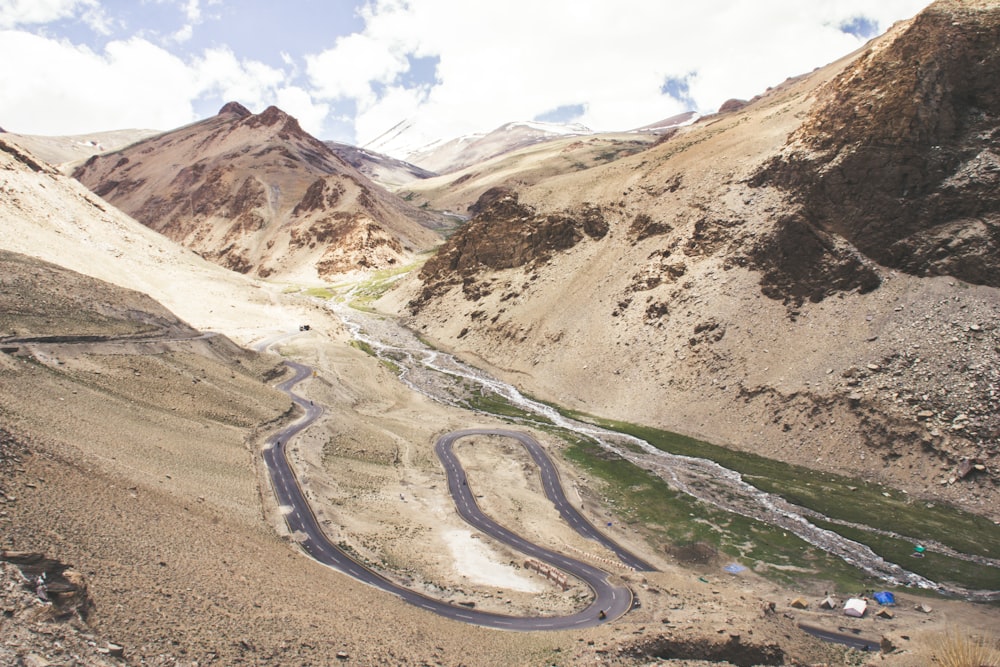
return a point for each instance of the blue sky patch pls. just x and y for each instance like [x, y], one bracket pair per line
[422, 71]
[679, 88]
[860, 26]
[567, 113]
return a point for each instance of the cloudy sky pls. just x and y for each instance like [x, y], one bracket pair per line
[351, 70]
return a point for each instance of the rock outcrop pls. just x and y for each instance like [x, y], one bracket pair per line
[900, 158]
[45, 605]
[505, 233]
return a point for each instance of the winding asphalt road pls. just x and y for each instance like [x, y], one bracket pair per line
[614, 601]
[468, 510]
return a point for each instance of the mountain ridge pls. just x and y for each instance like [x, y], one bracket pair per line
[904, 165]
[445, 156]
[257, 194]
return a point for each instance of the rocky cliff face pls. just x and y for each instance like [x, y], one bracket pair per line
[503, 234]
[258, 195]
[899, 157]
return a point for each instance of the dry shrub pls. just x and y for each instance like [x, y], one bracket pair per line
[954, 648]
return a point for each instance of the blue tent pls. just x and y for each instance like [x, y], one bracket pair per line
[885, 598]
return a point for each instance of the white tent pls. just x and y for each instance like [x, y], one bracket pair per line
[855, 607]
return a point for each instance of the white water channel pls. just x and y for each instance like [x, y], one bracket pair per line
[444, 378]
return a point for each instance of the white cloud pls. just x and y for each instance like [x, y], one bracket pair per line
[59, 88]
[33, 12]
[22, 13]
[192, 10]
[192, 13]
[300, 104]
[184, 34]
[353, 65]
[520, 58]
[219, 71]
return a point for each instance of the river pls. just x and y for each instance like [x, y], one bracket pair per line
[444, 378]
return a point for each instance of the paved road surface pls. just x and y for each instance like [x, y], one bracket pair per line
[613, 600]
[466, 504]
[854, 641]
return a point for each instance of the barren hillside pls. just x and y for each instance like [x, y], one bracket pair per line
[256, 194]
[66, 152]
[696, 287]
[459, 190]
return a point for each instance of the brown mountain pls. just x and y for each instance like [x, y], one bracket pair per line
[257, 194]
[811, 276]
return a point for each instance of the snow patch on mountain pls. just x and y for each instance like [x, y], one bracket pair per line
[443, 156]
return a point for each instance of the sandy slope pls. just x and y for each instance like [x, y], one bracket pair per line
[66, 152]
[56, 219]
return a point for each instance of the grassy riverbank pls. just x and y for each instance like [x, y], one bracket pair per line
[888, 521]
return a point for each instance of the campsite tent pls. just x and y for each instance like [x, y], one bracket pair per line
[855, 607]
[885, 598]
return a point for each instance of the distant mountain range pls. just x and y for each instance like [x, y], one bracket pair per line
[447, 156]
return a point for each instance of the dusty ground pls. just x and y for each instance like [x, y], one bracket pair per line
[142, 479]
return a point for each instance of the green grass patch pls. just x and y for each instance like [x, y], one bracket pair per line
[363, 346]
[674, 519]
[934, 566]
[887, 509]
[370, 351]
[320, 292]
[375, 286]
[495, 404]
[846, 499]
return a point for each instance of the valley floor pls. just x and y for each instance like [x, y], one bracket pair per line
[161, 504]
